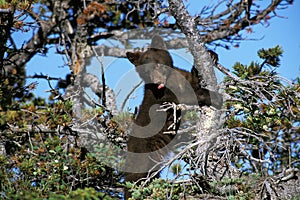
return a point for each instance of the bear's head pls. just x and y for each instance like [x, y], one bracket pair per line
[153, 65]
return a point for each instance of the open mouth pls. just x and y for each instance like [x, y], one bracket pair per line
[160, 86]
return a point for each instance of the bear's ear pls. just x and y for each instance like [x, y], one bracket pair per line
[214, 56]
[194, 72]
[158, 43]
[133, 57]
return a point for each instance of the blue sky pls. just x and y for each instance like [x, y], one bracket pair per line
[281, 31]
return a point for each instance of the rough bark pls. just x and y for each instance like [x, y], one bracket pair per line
[210, 119]
[202, 60]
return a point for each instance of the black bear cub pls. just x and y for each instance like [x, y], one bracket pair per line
[148, 143]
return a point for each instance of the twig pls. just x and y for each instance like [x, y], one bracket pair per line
[177, 156]
[129, 94]
[102, 77]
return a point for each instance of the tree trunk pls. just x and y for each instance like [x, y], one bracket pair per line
[210, 118]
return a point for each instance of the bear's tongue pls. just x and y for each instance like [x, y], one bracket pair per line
[160, 86]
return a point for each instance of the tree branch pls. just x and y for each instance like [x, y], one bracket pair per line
[202, 60]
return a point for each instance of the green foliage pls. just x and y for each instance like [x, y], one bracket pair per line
[296, 197]
[124, 120]
[191, 116]
[238, 188]
[79, 194]
[50, 167]
[12, 87]
[20, 4]
[158, 189]
[270, 58]
[37, 112]
[3, 3]
[267, 108]
[45, 163]
[176, 168]
[271, 55]
[108, 154]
